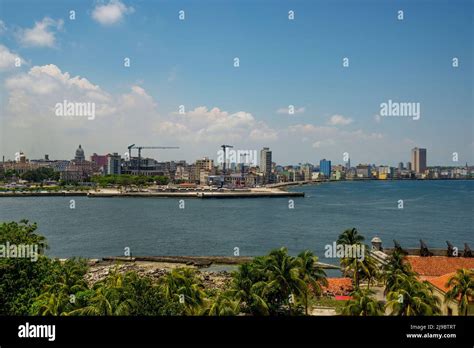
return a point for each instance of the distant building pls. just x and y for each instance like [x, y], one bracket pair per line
[266, 164]
[205, 163]
[22, 164]
[348, 164]
[99, 160]
[384, 172]
[418, 158]
[307, 171]
[409, 166]
[363, 171]
[325, 168]
[400, 167]
[79, 154]
[114, 164]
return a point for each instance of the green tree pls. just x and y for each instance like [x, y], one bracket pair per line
[350, 237]
[182, 286]
[284, 281]
[245, 288]
[462, 289]
[393, 269]
[110, 298]
[410, 297]
[22, 279]
[58, 298]
[363, 303]
[312, 275]
[223, 304]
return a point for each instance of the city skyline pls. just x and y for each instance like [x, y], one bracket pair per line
[290, 92]
[416, 164]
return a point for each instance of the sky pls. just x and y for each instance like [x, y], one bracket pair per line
[282, 62]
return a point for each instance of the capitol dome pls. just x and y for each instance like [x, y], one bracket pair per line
[80, 154]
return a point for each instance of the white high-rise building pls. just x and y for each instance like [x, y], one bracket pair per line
[114, 164]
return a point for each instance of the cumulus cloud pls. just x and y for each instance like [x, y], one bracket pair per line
[111, 13]
[134, 116]
[42, 34]
[339, 120]
[121, 119]
[210, 125]
[8, 59]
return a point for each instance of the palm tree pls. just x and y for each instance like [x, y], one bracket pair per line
[56, 298]
[352, 264]
[462, 289]
[360, 268]
[313, 275]
[284, 277]
[244, 288]
[363, 304]
[409, 296]
[224, 304]
[112, 297]
[182, 285]
[350, 236]
[395, 267]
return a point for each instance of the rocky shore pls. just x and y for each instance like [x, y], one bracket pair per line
[155, 270]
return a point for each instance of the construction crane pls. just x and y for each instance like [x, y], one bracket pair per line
[242, 163]
[130, 151]
[140, 148]
[224, 147]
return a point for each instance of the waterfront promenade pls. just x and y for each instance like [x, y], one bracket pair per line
[195, 193]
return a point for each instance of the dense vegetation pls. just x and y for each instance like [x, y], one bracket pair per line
[275, 284]
[35, 175]
[128, 180]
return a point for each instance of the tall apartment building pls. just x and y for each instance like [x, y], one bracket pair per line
[204, 163]
[418, 160]
[266, 164]
[325, 168]
[114, 164]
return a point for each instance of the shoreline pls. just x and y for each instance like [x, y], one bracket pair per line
[202, 194]
[272, 190]
[197, 261]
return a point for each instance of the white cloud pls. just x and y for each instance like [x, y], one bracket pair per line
[339, 120]
[286, 110]
[111, 13]
[204, 125]
[324, 135]
[8, 59]
[3, 27]
[134, 117]
[42, 34]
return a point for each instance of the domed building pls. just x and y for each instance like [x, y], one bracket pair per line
[80, 155]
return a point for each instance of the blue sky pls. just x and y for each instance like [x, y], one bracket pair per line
[282, 62]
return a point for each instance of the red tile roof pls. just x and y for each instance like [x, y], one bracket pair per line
[338, 287]
[440, 282]
[436, 266]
